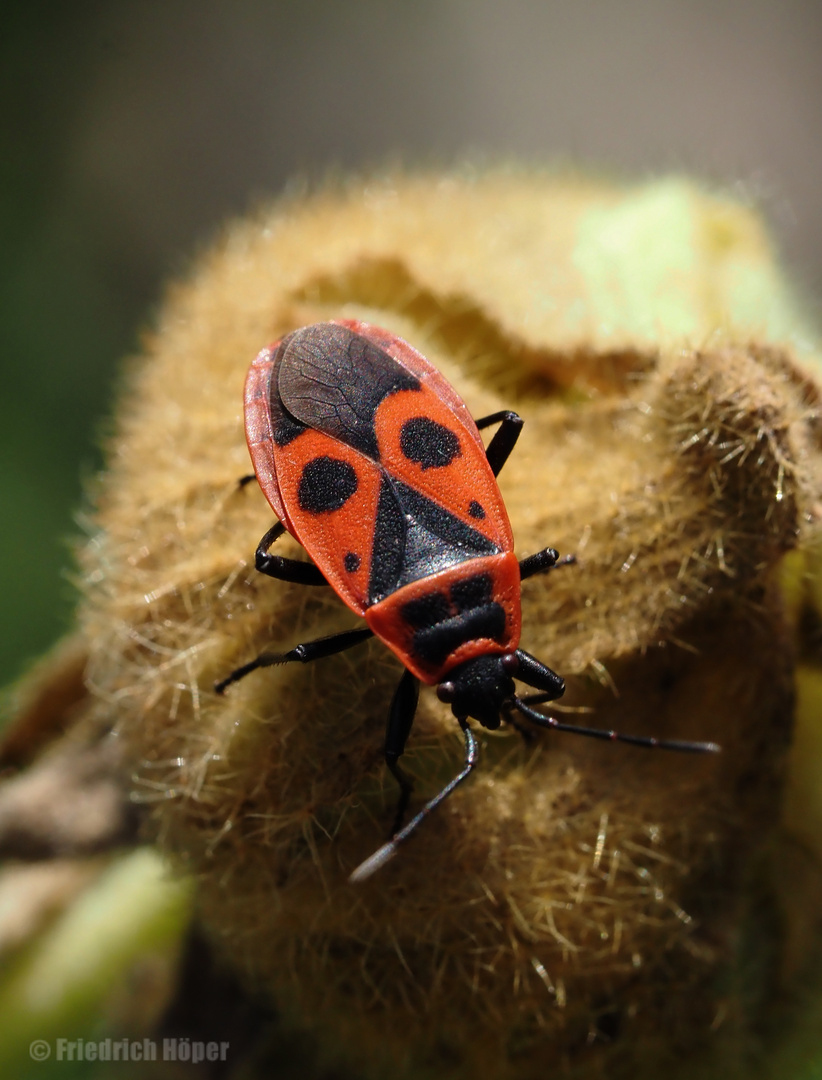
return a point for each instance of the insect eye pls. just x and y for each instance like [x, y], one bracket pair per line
[446, 691]
[510, 663]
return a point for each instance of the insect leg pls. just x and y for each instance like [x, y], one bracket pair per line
[305, 653]
[542, 561]
[388, 851]
[505, 438]
[400, 719]
[527, 734]
[303, 573]
[498, 451]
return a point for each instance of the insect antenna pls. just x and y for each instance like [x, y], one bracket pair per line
[649, 742]
[544, 698]
[387, 852]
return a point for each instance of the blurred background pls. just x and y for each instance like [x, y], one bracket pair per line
[130, 129]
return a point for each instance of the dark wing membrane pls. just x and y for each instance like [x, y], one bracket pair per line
[333, 380]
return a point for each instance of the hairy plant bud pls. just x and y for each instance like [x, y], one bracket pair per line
[574, 903]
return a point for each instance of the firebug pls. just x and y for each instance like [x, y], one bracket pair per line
[371, 460]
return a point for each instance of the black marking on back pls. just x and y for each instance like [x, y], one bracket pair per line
[415, 538]
[443, 524]
[429, 444]
[284, 428]
[476, 510]
[326, 484]
[436, 643]
[334, 380]
[389, 543]
[442, 625]
[351, 562]
[472, 592]
[426, 610]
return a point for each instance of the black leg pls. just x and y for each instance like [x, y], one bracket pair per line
[388, 851]
[538, 699]
[305, 653]
[400, 719]
[499, 449]
[542, 561]
[528, 735]
[245, 480]
[303, 573]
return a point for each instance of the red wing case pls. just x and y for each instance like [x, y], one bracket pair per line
[371, 460]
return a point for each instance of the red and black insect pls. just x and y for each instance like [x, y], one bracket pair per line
[370, 459]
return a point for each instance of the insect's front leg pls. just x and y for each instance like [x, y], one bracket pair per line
[400, 718]
[388, 851]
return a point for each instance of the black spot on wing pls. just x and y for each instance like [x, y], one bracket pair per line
[351, 561]
[326, 484]
[333, 380]
[427, 443]
[476, 510]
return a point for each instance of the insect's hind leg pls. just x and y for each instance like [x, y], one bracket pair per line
[283, 569]
[505, 438]
[304, 653]
[498, 451]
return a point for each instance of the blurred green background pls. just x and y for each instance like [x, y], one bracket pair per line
[130, 130]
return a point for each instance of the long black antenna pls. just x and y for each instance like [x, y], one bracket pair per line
[649, 742]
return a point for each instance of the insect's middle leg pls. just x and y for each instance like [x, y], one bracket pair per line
[498, 451]
[305, 653]
[542, 561]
